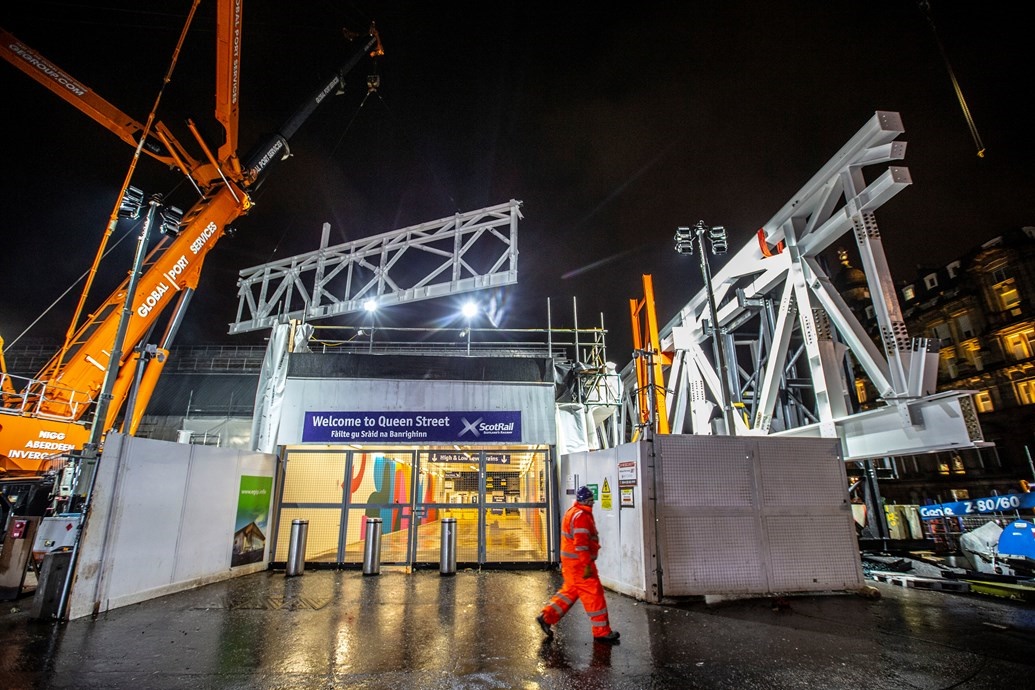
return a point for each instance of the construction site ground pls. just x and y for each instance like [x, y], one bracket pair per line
[477, 629]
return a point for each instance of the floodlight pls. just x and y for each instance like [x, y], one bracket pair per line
[370, 305]
[717, 234]
[170, 220]
[684, 238]
[129, 206]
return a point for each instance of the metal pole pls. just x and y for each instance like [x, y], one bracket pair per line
[652, 408]
[549, 329]
[89, 454]
[104, 399]
[720, 354]
[144, 353]
[575, 315]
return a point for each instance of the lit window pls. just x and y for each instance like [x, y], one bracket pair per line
[953, 269]
[999, 275]
[957, 465]
[972, 353]
[931, 281]
[1025, 391]
[983, 401]
[1020, 345]
[1007, 295]
[908, 292]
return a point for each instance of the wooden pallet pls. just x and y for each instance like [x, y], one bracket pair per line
[917, 582]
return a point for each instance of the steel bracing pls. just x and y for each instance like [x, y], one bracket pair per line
[790, 339]
[462, 253]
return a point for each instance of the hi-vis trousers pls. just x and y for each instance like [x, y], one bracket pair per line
[588, 590]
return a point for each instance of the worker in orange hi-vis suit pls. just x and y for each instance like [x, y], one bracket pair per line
[579, 546]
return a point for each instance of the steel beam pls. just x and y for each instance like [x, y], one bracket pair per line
[462, 253]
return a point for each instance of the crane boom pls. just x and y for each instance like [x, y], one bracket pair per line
[53, 412]
[82, 97]
[228, 82]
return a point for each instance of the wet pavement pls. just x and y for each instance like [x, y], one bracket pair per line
[475, 630]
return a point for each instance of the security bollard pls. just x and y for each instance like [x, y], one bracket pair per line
[296, 548]
[447, 556]
[372, 548]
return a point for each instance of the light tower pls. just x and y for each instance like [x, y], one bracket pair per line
[684, 239]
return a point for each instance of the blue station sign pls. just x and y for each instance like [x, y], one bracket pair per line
[412, 427]
[1006, 503]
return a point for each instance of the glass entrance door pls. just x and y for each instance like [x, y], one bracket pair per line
[515, 522]
[498, 497]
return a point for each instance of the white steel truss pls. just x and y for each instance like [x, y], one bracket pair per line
[787, 333]
[462, 253]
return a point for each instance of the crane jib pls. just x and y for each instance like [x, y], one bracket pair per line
[259, 162]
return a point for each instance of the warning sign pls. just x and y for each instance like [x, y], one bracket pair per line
[625, 497]
[627, 473]
[605, 495]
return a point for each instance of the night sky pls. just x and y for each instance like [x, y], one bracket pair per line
[613, 126]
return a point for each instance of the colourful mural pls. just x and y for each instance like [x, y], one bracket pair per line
[385, 485]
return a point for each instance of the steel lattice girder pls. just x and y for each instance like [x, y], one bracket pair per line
[787, 332]
[462, 253]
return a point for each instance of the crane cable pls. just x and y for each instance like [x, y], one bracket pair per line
[926, 7]
[113, 219]
[110, 248]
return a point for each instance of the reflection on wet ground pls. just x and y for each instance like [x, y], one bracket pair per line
[517, 536]
[341, 629]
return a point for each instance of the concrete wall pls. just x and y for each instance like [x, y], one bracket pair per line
[162, 519]
[719, 515]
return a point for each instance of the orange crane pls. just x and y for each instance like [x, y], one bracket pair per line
[55, 412]
[650, 362]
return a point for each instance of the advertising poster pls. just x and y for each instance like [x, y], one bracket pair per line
[253, 512]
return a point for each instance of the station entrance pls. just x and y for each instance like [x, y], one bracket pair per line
[498, 496]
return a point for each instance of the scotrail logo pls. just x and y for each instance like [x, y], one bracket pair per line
[470, 426]
[477, 428]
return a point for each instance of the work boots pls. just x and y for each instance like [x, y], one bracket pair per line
[610, 638]
[547, 629]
